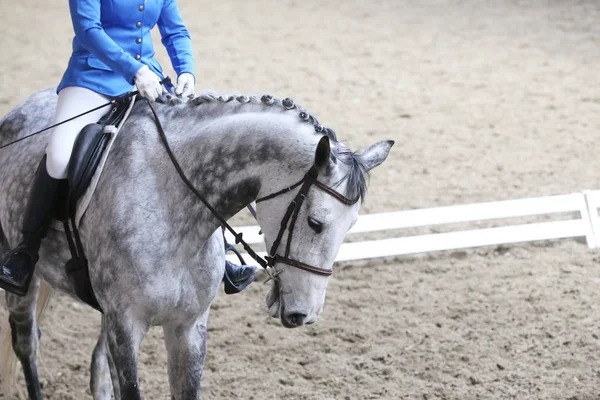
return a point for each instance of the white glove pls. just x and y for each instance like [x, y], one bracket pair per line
[185, 85]
[148, 83]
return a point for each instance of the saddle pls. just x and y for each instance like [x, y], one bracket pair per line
[87, 155]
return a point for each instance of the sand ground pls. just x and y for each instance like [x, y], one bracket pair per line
[486, 101]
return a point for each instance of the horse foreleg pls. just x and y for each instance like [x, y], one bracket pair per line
[26, 334]
[186, 349]
[104, 380]
[113, 374]
[124, 335]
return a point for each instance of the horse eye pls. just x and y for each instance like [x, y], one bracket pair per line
[315, 225]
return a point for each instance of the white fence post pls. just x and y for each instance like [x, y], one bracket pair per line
[592, 198]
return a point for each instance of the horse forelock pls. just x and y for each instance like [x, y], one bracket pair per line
[357, 174]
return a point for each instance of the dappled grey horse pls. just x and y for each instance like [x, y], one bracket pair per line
[156, 253]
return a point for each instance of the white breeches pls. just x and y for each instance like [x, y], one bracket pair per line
[72, 100]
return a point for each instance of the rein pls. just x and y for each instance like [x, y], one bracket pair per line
[289, 218]
[238, 236]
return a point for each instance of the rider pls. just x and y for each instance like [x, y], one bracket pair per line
[112, 52]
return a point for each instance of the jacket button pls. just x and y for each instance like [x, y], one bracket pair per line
[138, 57]
[138, 40]
[141, 8]
[138, 25]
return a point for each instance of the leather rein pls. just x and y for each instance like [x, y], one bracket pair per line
[292, 212]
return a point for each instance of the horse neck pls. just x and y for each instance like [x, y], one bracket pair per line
[243, 156]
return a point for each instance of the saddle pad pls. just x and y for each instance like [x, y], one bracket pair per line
[84, 202]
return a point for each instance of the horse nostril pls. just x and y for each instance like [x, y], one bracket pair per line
[296, 319]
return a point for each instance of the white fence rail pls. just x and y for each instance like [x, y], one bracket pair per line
[580, 209]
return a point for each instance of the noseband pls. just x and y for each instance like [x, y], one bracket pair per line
[292, 212]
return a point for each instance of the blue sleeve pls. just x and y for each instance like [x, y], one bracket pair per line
[176, 38]
[85, 15]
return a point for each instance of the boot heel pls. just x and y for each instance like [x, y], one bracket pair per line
[232, 288]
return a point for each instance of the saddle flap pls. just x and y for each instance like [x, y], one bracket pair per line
[89, 148]
[87, 152]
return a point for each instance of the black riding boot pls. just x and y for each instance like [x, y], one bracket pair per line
[17, 268]
[237, 277]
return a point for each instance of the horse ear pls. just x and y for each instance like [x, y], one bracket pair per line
[323, 152]
[377, 153]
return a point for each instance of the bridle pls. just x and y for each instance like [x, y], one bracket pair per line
[292, 212]
[309, 179]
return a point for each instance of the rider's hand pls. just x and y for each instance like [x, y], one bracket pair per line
[185, 85]
[148, 83]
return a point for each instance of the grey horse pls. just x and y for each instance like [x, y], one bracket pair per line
[156, 253]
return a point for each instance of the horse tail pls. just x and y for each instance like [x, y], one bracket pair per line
[3, 240]
[8, 363]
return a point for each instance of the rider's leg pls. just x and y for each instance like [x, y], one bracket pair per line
[72, 100]
[17, 268]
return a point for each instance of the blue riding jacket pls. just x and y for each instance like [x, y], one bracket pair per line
[112, 42]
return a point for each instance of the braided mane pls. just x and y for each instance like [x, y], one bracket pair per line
[267, 99]
[358, 174]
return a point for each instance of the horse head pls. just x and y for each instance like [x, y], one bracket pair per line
[305, 227]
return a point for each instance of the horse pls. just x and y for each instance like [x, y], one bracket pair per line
[156, 253]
